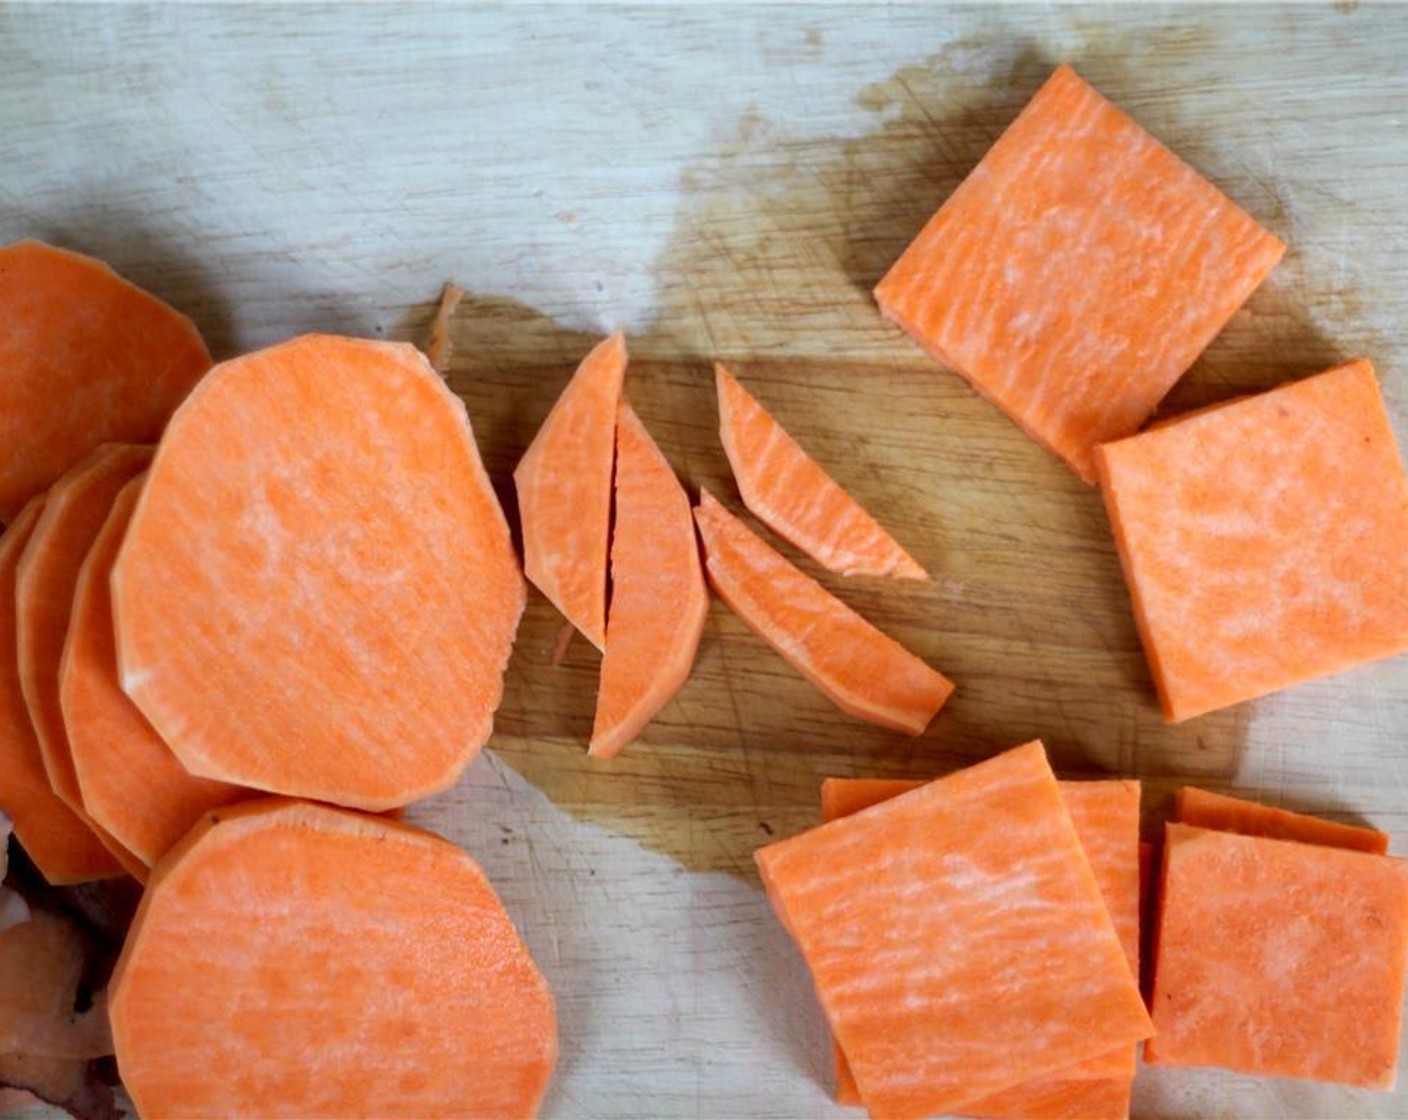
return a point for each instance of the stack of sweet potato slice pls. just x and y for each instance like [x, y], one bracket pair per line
[306, 588]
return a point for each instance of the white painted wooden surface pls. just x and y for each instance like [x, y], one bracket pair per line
[727, 180]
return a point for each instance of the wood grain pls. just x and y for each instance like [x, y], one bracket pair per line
[729, 182]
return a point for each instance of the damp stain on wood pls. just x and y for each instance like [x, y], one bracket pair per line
[778, 243]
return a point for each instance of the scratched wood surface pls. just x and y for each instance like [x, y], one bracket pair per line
[729, 182]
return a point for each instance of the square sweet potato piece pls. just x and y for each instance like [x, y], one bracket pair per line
[1203, 808]
[1106, 1098]
[1078, 271]
[1280, 959]
[1106, 819]
[947, 921]
[1264, 541]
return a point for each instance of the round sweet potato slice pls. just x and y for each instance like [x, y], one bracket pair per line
[294, 960]
[85, 358]
[317, 594]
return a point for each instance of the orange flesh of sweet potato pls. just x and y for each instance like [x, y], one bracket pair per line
[1106, 818]
[85, 358]
[317, 594]
[790, 493]
[1204, 809]
[1077, 272]
[77, 506]
[564, 491]
[58, 840]
[861, 670]
[132, 786]
[659, 599]
[1280, 958]
[905, 912]
[1265, 542]
[291, 959]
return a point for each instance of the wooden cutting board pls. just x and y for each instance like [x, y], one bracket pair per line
[729, 182]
